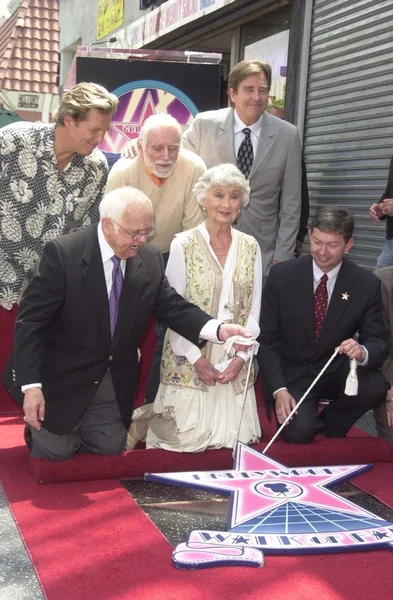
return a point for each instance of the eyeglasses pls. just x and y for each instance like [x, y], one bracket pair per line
[137, 235]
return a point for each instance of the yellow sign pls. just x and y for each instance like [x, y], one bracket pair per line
[110, 15]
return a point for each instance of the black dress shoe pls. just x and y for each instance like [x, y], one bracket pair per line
[27, 437]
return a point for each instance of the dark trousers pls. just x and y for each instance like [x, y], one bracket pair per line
[99, 431]
[153, 380]
[342, 412]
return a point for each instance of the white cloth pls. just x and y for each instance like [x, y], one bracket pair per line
[190, 420]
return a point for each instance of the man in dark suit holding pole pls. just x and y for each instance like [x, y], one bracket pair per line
[92, 293]
[310, 306]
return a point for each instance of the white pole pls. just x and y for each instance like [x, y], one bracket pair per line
[301, 400]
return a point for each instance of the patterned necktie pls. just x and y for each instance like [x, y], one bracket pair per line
[245, 155]
[320, 305]
[114, 298]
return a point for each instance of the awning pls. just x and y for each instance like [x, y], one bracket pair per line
[8, 116]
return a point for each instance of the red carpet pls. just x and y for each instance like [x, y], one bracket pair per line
[90, 541]
[136, 463]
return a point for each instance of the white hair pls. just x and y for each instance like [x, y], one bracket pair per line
[115, 203]
[226, 175]
[158, 122]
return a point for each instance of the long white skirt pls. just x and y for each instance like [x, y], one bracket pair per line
[189, 420]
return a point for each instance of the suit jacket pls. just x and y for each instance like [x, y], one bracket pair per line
[305, 206]
[62, 332]
[288, 351]
[273, 213]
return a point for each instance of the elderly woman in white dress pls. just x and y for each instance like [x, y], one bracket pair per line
[199, 404]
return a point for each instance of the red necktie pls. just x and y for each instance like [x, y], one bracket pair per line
[320, 305]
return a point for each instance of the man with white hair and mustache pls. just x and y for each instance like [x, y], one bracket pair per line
[166, 174]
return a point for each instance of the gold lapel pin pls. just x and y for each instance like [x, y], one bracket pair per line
[344, 296]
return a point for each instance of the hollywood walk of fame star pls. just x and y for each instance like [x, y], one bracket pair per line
[259, 485]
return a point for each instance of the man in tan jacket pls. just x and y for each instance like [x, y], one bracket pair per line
[166, 174]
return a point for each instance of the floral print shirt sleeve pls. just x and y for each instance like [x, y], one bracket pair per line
[38, 202]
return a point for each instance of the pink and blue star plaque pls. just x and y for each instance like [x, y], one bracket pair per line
[275, 509]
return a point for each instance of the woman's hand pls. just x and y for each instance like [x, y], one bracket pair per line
[232, 370]
[206, 371]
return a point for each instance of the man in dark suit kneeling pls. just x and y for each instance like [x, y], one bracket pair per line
[310, 306]
[74, 362]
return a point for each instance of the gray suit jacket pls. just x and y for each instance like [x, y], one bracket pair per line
[273, 213]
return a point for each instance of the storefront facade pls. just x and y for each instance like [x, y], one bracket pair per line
[331, 62]
[235, 28]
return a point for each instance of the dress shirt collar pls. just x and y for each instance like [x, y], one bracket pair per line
[332, 275]
[106, 250]
[238, 125]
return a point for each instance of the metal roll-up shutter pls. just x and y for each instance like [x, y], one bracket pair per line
[348, 135]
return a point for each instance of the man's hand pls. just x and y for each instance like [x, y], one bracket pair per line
[285, 403]
[387, 207]
[352, 349]
[298, 248]
[34, 407]
[206, 371]
[376, 213]
[276, 262]
[130, 150]
[389, 407]
[232, 370]
[389, 413]
[228, 330]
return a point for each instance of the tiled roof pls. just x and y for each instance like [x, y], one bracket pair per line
[29, 48]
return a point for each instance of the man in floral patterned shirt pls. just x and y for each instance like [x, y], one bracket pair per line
[52, 179]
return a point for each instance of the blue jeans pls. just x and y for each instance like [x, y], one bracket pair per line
[385, 259]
